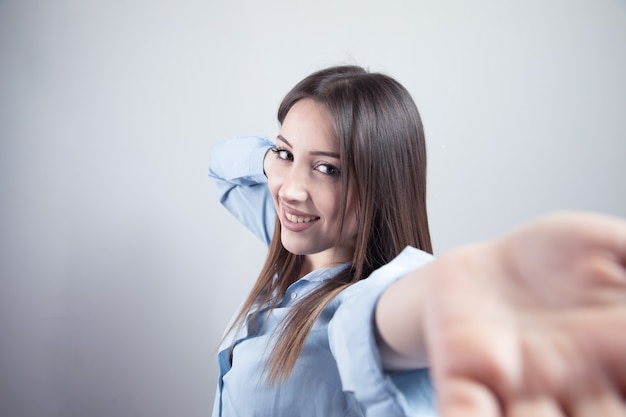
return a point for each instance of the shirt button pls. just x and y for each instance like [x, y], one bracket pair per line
[293, 295]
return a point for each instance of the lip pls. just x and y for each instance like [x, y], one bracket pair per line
[295, 226]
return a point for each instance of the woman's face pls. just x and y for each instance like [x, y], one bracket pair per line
[304, 176]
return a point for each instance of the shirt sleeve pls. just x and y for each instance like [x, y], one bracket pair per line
[236, 166]
[353, 344]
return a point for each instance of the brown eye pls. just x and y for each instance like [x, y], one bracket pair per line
[329, 170]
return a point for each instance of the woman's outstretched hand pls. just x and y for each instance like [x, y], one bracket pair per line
[532, 324]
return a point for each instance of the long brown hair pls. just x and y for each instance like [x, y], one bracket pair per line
[383, 157]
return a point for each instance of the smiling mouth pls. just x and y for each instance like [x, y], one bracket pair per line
[299, 219]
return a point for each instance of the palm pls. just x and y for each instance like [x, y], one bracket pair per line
[535, 323]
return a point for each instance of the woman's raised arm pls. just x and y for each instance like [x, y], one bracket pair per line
[237, 168]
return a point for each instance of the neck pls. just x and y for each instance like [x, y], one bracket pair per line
[321, 260]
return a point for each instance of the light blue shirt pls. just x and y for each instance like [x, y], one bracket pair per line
[338, 372]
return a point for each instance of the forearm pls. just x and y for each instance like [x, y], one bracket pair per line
[239, 161]
[237, 169]
[401, 316]
[399, 321]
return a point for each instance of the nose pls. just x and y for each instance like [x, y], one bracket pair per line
[295, 185]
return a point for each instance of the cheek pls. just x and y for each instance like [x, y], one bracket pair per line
[331, 201]
[351, 219]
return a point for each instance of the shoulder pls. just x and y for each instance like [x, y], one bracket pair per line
[352, 341]
[408, 260]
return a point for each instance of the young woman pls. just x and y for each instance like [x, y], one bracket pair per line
[350, 310]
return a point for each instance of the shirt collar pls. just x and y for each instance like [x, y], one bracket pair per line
[324, 274]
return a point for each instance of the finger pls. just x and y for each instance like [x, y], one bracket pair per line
[534, 407]
[605, 404]
[574, 232]
[465, 398]
[600, 231]
[604, 344]
[609, 275]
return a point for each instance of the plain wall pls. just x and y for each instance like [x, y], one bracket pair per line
[118, 268]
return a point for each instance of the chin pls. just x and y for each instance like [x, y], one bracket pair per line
[298, 249]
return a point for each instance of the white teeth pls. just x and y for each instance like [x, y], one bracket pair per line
[296, 219]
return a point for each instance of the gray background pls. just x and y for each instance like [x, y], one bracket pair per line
[118, 268]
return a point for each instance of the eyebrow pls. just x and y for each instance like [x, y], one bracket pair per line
[316, 153]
